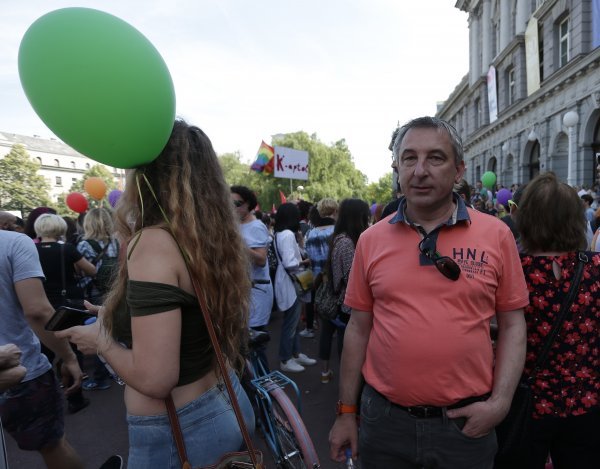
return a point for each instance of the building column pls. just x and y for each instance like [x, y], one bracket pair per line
[505, 21]
[521, 17]
[486, 38]
[475, 47]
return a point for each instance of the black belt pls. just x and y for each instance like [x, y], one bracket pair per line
[427, 411]
[261, 282]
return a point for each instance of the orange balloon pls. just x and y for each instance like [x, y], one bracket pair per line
[95, 187]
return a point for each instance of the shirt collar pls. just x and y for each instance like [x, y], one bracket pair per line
[460, 212]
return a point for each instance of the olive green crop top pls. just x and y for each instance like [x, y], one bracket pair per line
[145, 298]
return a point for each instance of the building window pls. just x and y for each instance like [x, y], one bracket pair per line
[39, 160]
[73, 165]
[73, 180]
[477, 113]
[56, 163]
[511, 86]
[534, 165]
[58, 181]
[87, 166]
[563, 42]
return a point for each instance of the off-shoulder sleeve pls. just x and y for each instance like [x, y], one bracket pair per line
[145, 298]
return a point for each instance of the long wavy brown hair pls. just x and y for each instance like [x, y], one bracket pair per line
[188, 183]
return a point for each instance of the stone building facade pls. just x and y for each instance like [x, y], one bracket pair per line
[531, 99]
[59, 163]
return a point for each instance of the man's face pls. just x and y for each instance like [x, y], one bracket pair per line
[240, 205]
[427, 168]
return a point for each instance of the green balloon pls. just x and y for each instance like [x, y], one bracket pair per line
[99, 85]
[488, 179]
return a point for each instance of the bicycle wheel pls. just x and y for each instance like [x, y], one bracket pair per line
[298, 451]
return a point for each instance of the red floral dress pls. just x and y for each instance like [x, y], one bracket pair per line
[568, 383]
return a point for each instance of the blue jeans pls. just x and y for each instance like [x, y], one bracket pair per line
[209, 429]
[390, 437]
[289, 343]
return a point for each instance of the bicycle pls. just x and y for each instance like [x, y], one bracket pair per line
[278, 419]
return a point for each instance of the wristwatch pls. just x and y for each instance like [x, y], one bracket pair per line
[341, 408]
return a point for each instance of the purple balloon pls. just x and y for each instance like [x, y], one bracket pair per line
[503, 196]
[114, 196]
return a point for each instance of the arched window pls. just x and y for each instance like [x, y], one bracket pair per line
[73, 165]
[87, 166]
[39, 160]
[56, 163]
[534, 161]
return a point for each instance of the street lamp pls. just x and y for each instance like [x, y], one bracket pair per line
[570, 120]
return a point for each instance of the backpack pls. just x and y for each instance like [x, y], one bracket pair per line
[108, 269]
[327, 302]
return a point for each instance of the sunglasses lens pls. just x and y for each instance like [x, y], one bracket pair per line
[238, 203]
[448, 268]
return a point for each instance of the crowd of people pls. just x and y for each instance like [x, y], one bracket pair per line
[421, 283]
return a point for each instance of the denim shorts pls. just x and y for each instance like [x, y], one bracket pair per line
[209, 429]
[32, 412]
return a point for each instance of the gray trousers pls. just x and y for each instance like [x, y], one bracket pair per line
[389, 437]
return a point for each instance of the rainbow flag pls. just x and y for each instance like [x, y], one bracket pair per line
[264, 159]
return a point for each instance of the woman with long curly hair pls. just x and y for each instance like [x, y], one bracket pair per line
[179, 223]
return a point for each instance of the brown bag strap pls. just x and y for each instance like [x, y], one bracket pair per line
[174, 420]
[177, 434]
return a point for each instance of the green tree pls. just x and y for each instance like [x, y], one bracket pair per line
[97, 170]
[332, 173]
[381, 191]
[21, 187]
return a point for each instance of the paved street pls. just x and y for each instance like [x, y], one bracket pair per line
[100, 430]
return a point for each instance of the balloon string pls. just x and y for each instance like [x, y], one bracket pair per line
[186, 257]
[139, 233]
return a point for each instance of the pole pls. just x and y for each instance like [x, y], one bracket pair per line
[570, 160]
[291, 187]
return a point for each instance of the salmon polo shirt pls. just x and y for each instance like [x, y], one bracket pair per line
[430, 341]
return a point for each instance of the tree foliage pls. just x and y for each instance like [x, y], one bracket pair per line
[381, 191]
[21, 187]
[332, 173]
[97, 170]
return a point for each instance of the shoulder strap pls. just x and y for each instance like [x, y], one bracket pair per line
[100, 251]
[582, 259]
[63, 291]
[279, 257]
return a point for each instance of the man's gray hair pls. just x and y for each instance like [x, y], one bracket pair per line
[428, 122]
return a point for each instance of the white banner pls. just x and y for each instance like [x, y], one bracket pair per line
[532, 56]
[290, 163]
[492, 94]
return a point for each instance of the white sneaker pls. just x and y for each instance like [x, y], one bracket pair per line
[291, 366]
[302, 359]
[308, 333]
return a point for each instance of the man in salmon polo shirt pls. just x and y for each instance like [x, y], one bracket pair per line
[424, 285]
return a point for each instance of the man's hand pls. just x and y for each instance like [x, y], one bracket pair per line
[481, 417]
[11, 376]
[343, 434]
[71, 376]
[10, 356]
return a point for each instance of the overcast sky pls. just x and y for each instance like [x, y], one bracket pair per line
[245, 70]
